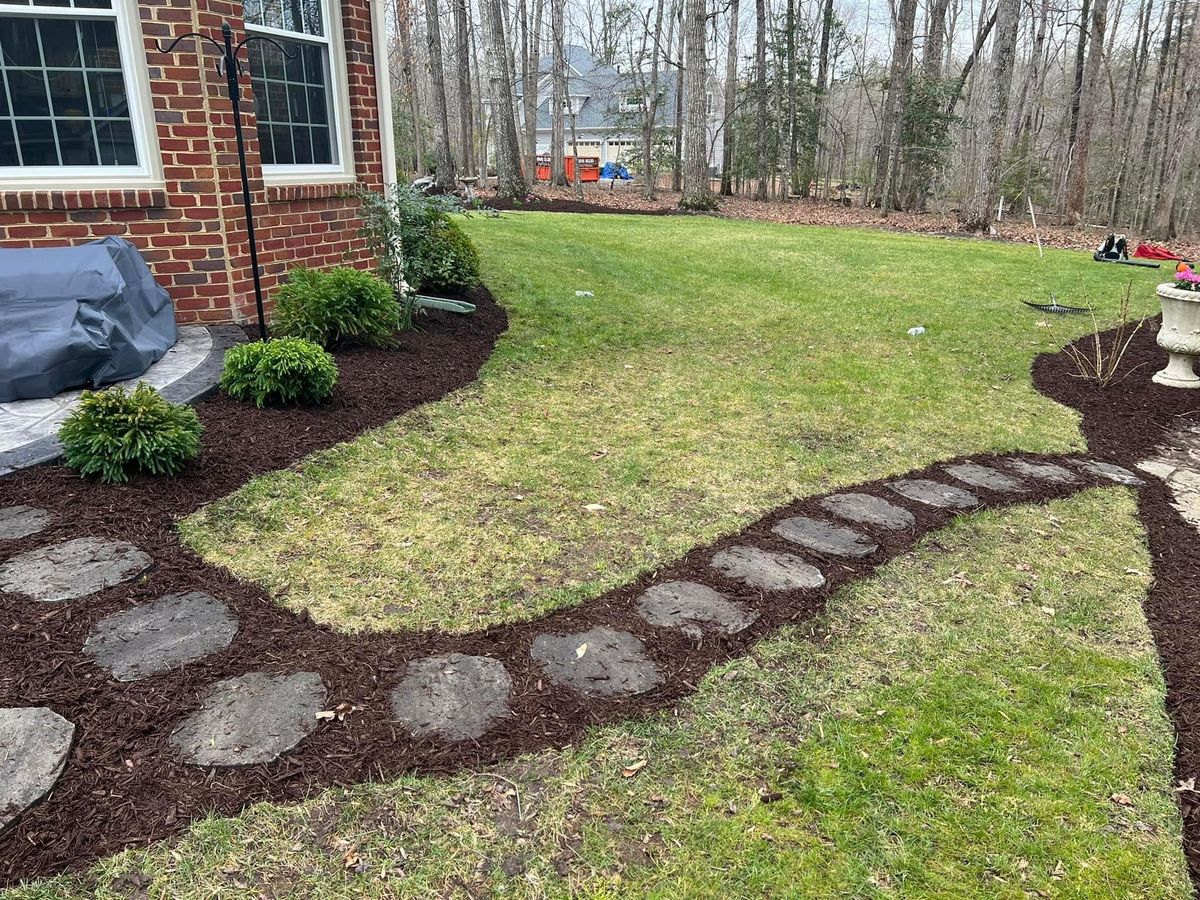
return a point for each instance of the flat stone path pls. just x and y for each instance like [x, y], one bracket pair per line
[34, 742]
[824, 537]
[934, 493]
[675, 604]
[986, 477]
[251, 719]
[72, 569]
[21, 521]
[599, 662]
[160, 635]
[1043, 471]
[454, 697]
[766, 569]
[866, 509]
[1112, 472]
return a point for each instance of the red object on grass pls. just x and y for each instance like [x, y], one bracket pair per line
[1153, 251]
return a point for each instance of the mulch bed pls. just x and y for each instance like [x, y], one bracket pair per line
[558, 204]
[123, 786]
[1125, 421]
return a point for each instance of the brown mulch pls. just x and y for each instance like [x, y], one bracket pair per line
[122, 785]
[629, 200]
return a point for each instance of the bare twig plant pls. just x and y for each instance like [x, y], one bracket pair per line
[1100, 363]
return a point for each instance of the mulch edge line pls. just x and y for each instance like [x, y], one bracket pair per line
[121, 750]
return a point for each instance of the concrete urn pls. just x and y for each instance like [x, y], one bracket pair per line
[1179, 336]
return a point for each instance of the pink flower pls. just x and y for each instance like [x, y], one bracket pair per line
[1187, 276]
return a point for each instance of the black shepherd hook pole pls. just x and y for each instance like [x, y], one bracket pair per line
[231, 68]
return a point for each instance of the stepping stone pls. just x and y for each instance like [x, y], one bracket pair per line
[767, 570]
[72, 569]
[934, 493]
[161, 635]
[832, 540]
[1107, 470]
[675, 604]
[251, 719]
[1043, 471]
[455, 697]
[868, 510]
[34, 742]
[599, 662]
[986, 477]
[21, 521]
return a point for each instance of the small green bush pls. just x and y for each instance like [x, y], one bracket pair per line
[282, 371]
[114, 433]
[337, 305]
[451, 262]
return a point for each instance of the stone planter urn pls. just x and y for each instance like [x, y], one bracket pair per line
[1179, 336]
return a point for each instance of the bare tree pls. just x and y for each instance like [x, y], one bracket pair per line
[760, 96]
[650, 120]
[466, 112]
[445, 159]
[509, 180]
[558, 93]
[696, 193]
[976, 214]
[891, 127]
[1183, 140]
[409, 82]
[731, 83]
[1078, 180]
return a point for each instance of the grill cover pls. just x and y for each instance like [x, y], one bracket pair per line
[78, 316]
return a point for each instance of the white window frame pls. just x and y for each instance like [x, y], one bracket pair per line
[147, 175]
[339, 93]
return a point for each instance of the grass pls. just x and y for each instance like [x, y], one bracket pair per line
[721, 368]
[956, 727]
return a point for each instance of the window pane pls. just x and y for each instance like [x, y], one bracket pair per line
[74, 109]
[116, 143]
[76, 142]
[60, 43]
[100, 50]
[27, 89]
[290, 96]
[93, 4]
[302, 16]
[108, 94]
[37, 142]
[18, 41]
[69, 96]
[8, 144]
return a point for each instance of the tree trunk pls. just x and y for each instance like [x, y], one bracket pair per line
[529, 86]
[1077, 80]
[727, 131]
[649, 175]
[976, 214]
[1164, 226]
[445, 159]
[677, 164]
[558, 100]
[760, 92]
[822, 89]
[792, 135]
[985, 28]
[1078, 180]
[892, 125]
[407, 73]
[1147, 167]
[509, 182]
[1133, 90]
[466, 112]
[696, 192]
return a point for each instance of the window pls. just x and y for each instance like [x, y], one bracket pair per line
[69, 101]
[297, 98]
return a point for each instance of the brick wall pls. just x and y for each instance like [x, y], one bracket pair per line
[192, 232]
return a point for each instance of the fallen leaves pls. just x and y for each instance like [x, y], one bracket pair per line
[632, 768]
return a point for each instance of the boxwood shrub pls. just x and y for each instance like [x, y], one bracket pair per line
[336, 305]
[279, 372]
[114, 433]
[451, 261]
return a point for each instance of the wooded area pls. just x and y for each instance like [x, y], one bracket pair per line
[1086, 111]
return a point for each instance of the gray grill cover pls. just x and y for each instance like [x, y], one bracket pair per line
[75, 316]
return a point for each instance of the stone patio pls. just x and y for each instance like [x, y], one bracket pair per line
[189, 370]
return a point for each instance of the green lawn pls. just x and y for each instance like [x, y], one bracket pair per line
[957, 726]
[939, 735]
[721, 369]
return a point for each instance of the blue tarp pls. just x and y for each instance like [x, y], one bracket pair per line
[78, 316]
[615, 170]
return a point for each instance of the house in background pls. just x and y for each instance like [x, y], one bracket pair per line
[608, 109]
[102, 134]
